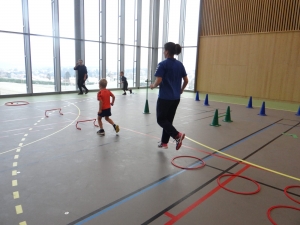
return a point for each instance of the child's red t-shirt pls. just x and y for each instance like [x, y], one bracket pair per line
[104, 96]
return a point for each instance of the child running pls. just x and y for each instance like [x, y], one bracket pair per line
[103, 97]
[125, 83]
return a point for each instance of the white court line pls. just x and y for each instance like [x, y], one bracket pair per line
[4, 121]
[35, 131]
[3, 136]
[36, 126]
[73, 121]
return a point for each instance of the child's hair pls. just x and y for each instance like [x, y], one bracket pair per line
[103, 83]
[122, 72]
[172, 48]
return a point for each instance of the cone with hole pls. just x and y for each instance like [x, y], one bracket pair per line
[250, 103]
[298, 113]
[262, 110]
[215, 121]
[206, 100]
[227, 116]
[197, 96]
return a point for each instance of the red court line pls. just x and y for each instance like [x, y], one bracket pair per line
[211, 154]
[202, 199]
[169, 214]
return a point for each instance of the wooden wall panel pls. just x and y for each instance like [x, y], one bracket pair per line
[223, 17]
[260, 65]
[296, 92]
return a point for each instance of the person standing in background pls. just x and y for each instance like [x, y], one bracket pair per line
[82, 76]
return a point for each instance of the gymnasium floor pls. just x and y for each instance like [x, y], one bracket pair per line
[52, 173]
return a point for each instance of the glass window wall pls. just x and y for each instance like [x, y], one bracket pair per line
[42, 64]
[92, 64]
[12, 65]
[189, 62]
[67, 59]
[174, 19]
[129, 65]
[112, 21]
[145, 23]
[130, 25]
[40, 17]
[11, 16]
[91, 19]
[66, 18]
[144, 67]
[112, 65]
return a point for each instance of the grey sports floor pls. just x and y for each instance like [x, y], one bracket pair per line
[52, 174]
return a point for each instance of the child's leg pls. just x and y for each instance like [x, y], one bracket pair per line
[116, 127]
[100, 122]
[109, 120]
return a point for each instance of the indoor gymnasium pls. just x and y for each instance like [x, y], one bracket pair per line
[150, 112]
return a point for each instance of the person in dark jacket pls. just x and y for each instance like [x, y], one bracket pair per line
[82, 76]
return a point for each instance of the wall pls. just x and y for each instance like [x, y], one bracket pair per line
[252, 54]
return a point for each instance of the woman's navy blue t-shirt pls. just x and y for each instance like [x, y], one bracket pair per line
[171, 71]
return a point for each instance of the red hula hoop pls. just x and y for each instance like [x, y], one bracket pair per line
[276, 207]
[187, 168]
[287, 195]
[12, 103]
[237, 192]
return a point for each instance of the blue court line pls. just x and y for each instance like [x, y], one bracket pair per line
[162, 181]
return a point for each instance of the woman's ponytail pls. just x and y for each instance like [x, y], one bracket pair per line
[177, 49]
[172, 48]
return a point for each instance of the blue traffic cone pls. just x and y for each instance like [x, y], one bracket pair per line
[262, 110]
[206, 100]
[250, 103]
[197, 96]
[298, 113]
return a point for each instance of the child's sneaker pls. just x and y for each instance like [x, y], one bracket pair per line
[130, 90]
[124, 93]
[101, 132]
[163, 145]
[117, 128]
[179, 139]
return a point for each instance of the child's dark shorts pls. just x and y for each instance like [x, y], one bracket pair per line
[105, 112]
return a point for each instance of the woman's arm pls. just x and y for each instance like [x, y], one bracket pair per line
[157, 81]
[185, 82]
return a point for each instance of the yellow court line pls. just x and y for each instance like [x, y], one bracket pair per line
[23, 223]
[1, 153]
[14, 183]
[244, 161]
[16, 194]
[19, 209]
